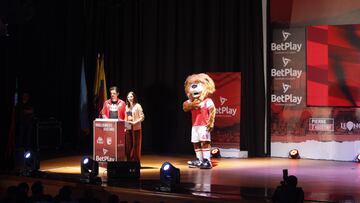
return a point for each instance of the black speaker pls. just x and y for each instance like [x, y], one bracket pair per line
[123, 169]
[48, 134]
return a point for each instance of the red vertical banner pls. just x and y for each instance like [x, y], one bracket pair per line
[227, 99]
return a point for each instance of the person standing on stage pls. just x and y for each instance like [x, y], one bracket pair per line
[134, 116]
[114, 107]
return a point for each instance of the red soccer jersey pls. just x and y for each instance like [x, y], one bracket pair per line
[120, 106]
[200, 116]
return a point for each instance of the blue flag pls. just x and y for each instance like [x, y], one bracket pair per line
[84, 116]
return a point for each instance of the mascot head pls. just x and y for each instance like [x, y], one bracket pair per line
[199, 86]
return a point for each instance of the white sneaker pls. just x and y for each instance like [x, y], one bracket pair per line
[194, 163]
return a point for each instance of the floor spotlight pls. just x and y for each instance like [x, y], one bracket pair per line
[294, 154]
[169, 176]
[357, 159]
[31, 163]
[215, 152]
[89, 170]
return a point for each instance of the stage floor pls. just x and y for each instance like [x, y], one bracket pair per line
[236, 179]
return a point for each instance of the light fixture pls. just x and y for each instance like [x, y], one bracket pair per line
[215, 152]
[89, 170]
[169, 176]
[31, 163]
[294, 154]
[357, 159]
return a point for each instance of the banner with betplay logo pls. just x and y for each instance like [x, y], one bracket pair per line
[226, 133]
[315, 96]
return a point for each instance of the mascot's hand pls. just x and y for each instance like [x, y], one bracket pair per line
[187, 106]
[211, 121]
[209, 127]
[195, 104]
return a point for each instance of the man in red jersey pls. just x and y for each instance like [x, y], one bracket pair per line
[114, 107]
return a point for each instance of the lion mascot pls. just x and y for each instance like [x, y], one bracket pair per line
[198, 87]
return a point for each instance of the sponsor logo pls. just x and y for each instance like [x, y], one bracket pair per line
[286, 46]
[286, 87]
[286, 72]
[100, 140]
[105, 151]
[321, 124]
[104, 158]
[286, 99]
[222, 100]
[285, 35]
[225, 110]
[113, 107]
[285, 61]
[349, 126]
[108, 140]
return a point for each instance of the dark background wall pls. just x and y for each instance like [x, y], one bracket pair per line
[150, 46]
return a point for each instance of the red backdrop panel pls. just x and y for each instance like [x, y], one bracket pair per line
[227, 99]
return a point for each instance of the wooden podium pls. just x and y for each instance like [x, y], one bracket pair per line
[109, 140]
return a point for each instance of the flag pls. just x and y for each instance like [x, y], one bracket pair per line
[10, 147]
[100, 94]
[84, 119]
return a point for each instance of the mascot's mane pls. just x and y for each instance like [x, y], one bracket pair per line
[209, 85]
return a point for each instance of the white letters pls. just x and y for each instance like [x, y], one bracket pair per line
[104, 158]
[286, 46]
[286, 98]
[287, 72]
[226, 110]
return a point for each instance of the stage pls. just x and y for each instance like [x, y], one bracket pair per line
[231, 180]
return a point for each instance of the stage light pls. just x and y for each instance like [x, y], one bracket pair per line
[31, 163]
[89, 171]
[89, 167]
[357, 159]
[169, 176]
[215, 152]
[294, 154]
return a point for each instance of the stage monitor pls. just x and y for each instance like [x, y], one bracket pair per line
[123, 169]
[333, 65]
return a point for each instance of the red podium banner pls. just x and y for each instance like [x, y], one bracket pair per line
[109, 140]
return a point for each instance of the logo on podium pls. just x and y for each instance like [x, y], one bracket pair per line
[100, 140]
[105, 151]
[108, 140]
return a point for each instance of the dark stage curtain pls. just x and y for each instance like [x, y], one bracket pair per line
[150, 47]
